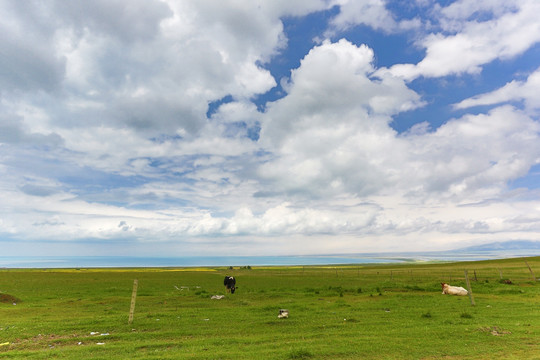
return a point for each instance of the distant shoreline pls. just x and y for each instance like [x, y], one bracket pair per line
[67, 262]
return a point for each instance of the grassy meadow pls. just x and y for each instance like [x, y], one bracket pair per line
[336, 312]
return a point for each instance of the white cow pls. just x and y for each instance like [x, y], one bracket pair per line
[283, 314]
[453, 290]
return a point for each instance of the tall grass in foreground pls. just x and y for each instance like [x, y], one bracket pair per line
[336, 312]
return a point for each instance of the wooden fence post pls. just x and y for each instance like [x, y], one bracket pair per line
[469, 288]
[133, 298]
[532, 274]
[500, 273]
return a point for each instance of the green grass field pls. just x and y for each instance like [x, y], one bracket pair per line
[336, 312]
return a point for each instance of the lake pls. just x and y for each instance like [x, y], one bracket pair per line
[236, 261]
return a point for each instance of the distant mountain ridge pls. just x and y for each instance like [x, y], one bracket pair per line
[503, 245]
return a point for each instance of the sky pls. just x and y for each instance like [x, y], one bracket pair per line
[245, 127]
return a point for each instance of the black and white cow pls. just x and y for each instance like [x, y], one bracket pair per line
[230, 284]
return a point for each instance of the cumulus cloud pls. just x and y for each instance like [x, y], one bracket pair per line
[122, 63]
[332, 128]
[120, 74]
[468, 43]
[331, 136]
[140, 122]
[473, 157]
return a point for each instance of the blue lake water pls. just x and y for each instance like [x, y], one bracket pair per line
[236, 261]
[185, 261]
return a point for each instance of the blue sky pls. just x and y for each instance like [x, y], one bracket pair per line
[176, 127]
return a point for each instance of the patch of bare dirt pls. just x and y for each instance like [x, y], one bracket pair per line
[494, 330]
[8, 299]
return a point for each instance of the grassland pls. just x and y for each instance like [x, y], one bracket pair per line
[336, 312]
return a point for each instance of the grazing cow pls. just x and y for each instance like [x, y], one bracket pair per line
[453, 290]
[230, 284]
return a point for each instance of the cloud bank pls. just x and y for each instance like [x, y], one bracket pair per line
[146, 127]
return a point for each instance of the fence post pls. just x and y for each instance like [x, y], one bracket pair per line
[532, 274]
[469, 288]
[133, 298]
[500, 273]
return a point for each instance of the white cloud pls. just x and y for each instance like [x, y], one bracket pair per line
[526, 91]
[121, 74]
[106, 134]
[328, 145]
[132, 21]
[331, 130]
[121, 63]
[372, 13]
[465, 10]
[473, 157]
[509, 31]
